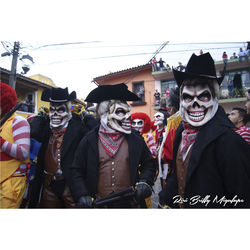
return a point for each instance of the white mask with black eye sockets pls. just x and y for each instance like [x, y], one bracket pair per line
[59, 115]
[119, 117]
[158, 119]
[138, 124]
[197, 106]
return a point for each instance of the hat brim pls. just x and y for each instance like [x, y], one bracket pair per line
[47, 97]
[181, 76]
[111, 92]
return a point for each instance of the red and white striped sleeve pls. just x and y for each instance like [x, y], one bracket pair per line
[151, 144]
[244, 132]
[21, 135]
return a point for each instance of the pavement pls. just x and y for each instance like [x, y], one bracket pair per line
[157, 189]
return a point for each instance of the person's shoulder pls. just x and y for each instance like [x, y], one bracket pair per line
[19, 118]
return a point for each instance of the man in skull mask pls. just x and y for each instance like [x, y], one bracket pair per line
[110, 157]
[160, 120]
[211, 161]
[59, 134]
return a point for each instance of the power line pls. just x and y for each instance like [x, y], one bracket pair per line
[64, 44]
[140, 68]
[139, 54]
[128, 45]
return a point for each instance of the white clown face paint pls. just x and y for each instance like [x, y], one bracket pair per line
[119, 117]
[158, 119]
[197, 106]
[138, 124]
[59, 115]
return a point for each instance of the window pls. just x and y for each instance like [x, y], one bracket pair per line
[245, 77]
[27, 95]
[139, 90]
[165, 85]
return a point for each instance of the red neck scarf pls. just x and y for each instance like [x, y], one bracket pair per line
[111, 141]
[188, 136]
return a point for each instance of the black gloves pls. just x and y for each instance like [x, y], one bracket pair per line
[84, 202]
[143, 190]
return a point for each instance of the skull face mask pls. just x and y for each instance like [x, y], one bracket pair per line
[115, 116]
[59, 115]
[197, 105]
[158, 119]
[138, 124]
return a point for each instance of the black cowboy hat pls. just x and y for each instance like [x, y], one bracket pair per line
[201, 66]
[111, 92]
[57, 95]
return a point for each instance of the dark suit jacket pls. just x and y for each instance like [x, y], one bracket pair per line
[40, 130]
[219, 167]
[86, 163]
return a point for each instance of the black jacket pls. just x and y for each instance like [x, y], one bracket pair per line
[218, 171]
[86, 163]
[40, 131]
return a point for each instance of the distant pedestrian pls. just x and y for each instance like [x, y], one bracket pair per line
[154, 63]
[224, 57]
[230, 87]
[234, 56]
[243, 54]
[157, 96]
[237, 117]
[161, 64]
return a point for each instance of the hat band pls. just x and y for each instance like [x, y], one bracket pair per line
[51, 100]
[208, 76]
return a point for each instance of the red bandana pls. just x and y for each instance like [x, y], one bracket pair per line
[188, 136]
[111, 141]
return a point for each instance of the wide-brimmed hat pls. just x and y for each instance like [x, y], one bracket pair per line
[57, 95]
[111, 92]
[201, 66]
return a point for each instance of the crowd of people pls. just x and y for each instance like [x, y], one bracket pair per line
[65, 157]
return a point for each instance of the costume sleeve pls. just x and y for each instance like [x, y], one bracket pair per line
[233, 157]
[151, 144]
[21, 135]
[148, 165]
[90, 122]
[39, 128]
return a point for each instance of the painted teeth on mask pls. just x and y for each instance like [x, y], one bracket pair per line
[196, 114]
[56, 120]
[126, 124]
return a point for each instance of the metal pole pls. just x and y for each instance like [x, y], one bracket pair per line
[12, 78]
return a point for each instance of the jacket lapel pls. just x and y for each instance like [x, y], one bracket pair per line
[93, 142]
[72, 131]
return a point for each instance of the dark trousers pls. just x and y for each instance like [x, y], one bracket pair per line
[53, 199]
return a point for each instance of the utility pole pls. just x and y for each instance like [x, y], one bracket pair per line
[12, 78]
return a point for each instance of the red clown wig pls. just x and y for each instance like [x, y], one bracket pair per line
[145, 118]
[8, 97]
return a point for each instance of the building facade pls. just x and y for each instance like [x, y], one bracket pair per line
[144, 81]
